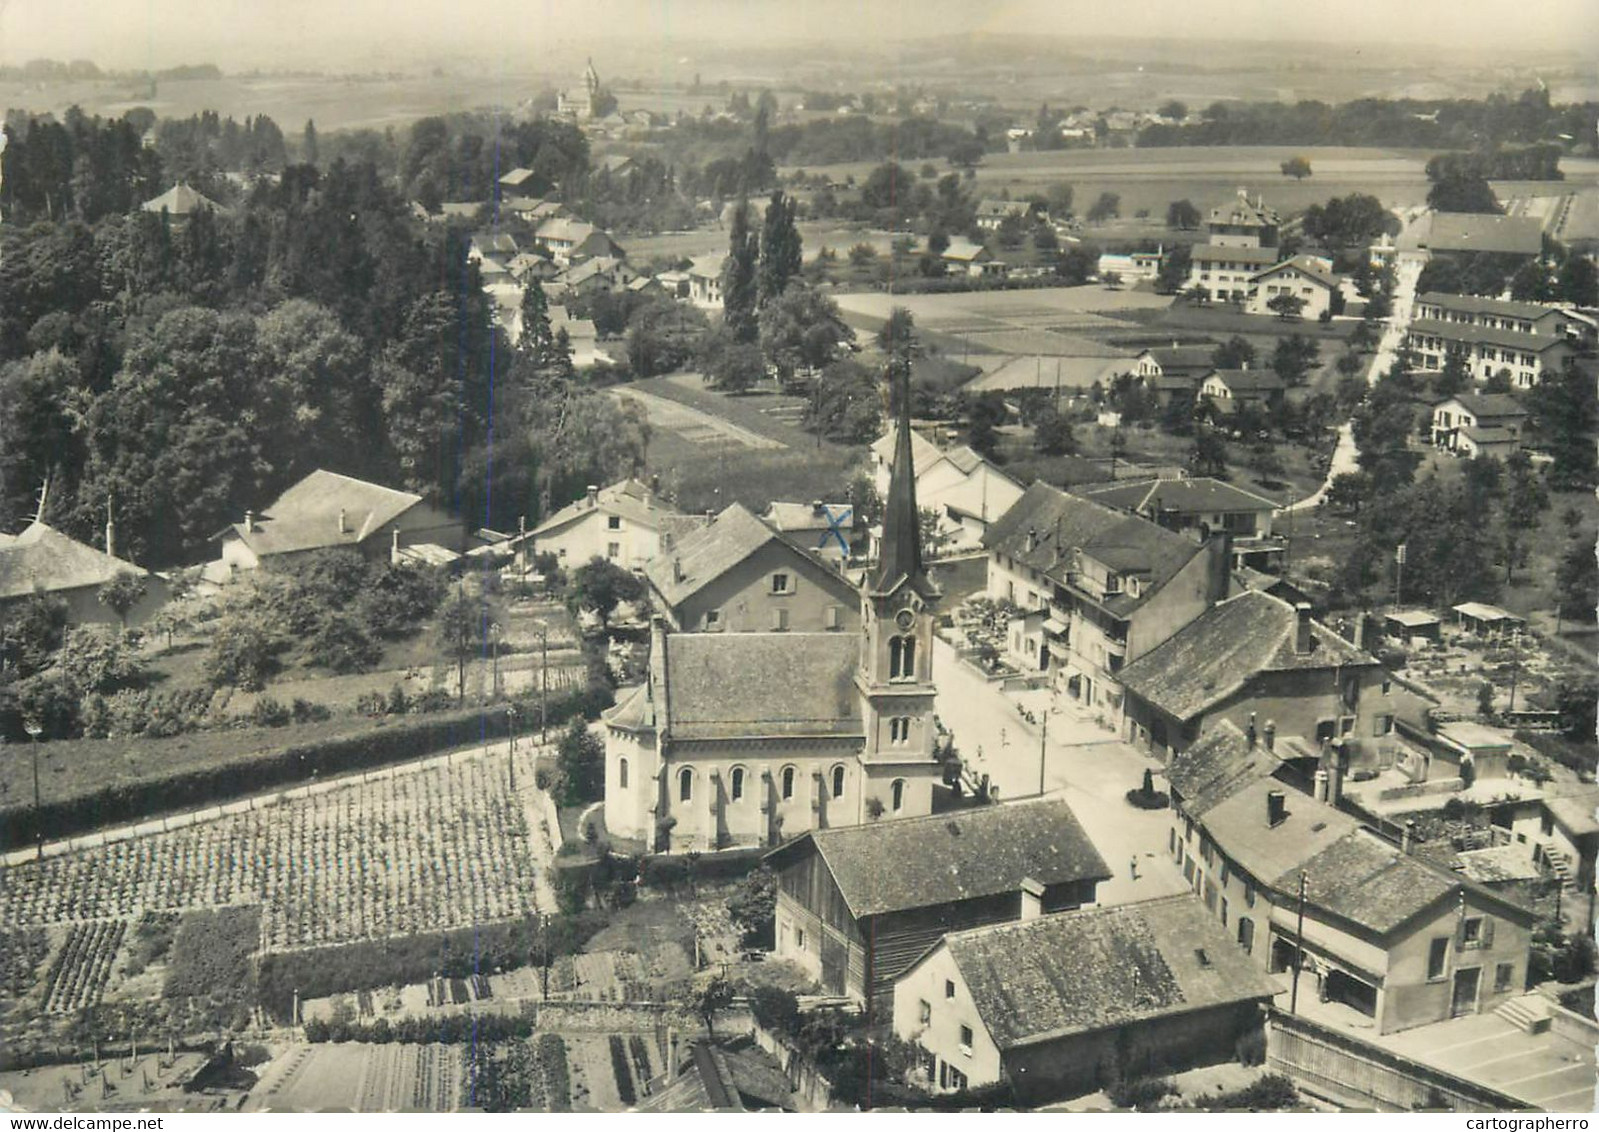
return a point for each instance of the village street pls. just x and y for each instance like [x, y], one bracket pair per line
[1082, 762]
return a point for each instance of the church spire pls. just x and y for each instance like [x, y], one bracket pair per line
[902, 543]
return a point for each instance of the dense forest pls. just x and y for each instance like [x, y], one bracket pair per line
[179, 372]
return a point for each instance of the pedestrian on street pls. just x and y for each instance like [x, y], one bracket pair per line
[1132, 867]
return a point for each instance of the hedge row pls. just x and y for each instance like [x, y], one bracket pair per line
[448, 1029]
[399, 960]
[264, 770]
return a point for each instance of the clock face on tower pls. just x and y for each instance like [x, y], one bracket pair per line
[905, 618]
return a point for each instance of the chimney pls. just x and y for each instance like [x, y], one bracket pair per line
[817, 507]
[1032, 899]
[1244, 364]
[1336, 762]
[655, 483]
[110, 531]
[1321, 785]
[1302, 629]
[344, 524]
[249, 522]
[1276, 807]
[593, 495]
[1269, 733]
[677, 569]
[1249, 732]
[394, 546]
[1407, 840]
[1220, 574]
[1032, 538]
[671, 1054]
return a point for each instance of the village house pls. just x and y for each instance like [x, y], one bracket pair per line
[991, 214]
[623, 524]
[738, 575]
[1453, 233]
[1225, 391]
[329, 511]
[572, 241]
[705, 281]
[180, 202]
[1129, 267]
[1094, 588]
[826, 530]
[751, 738]
[962, 257]
[965, 491]
[857, 906]
[1255, 656]
[1478, 424]
[1047, 1002]
[1240, 242]
[1200, 506]
[1488, 350]
[518, 181]
[1538, 319]
[1303, 277]
[601, 274]
[40, 560]
[1381, 930]
[1171, 371]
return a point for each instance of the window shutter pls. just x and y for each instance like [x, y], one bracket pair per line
[1487, 932]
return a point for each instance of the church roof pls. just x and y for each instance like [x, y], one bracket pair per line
[901, 558]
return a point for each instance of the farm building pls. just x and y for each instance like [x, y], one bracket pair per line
[967, 492]
[1387, 933]
[1447, 233]
[1070, 376]
[966, 258]
[738, 575]
[857, 906]
[328, 511]
[1200, 506]
[42, 560]
[1047, 1002]
[748, 738]
[1478, 424]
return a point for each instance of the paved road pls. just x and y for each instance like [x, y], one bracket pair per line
[1082, 762]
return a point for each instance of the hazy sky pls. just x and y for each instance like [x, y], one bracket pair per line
[286, 33]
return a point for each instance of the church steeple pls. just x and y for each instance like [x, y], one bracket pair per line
[901, 557]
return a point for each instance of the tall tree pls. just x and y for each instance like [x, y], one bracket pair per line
[309, 150]
[1526, 498]
[535, 338]
[781, 255]
[739, 283]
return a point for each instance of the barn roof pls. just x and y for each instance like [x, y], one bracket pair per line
[306, 516]
[1201, 495]
[42, 559]
[1217, 766]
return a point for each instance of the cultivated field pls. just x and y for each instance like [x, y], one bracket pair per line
[361, 1077]
[443, 846]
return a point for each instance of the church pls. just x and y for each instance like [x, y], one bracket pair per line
[746, 739]
[580, 103]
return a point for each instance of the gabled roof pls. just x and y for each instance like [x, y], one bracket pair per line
[905, 863]
[1179, 358]
[805, 516]
[1198, 496]
[1217, 766]
[1478, 304]
[1221, 253]
[1489, 335]
[1222, 649]
[962, 250]
[924, 453]
[1486, 406]
[1098, 968]
[704, 555]
[306, 516]
[989, 208]
[565, 228]
[1062, 524]
[628, 498]
[42, 559]
[181, 200]
[1240, 211]
[1305, 265]
[1481, 232]
[517, 177]
[716, 1078]
[740, 685]
[1247, 380]
[706, 266]
[599, 265]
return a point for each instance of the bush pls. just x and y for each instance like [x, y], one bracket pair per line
[269, 713]
[1250, 1048]
[341, 645]
[1154, 800]
[1273, 1091]
[244, 654]
[776, 1010]
[211, 965]
[1141, 1093]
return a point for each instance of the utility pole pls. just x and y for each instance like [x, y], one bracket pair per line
[35, 728]
[1043, 751]
[1399, 575]
[1515, 668]
[544, 683]
[1299, 949]
[544, 938]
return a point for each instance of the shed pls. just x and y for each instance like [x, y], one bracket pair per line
[1410, 625]
[1486, 620]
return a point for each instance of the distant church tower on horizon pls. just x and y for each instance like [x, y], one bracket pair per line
[752, 738]
[580, 104]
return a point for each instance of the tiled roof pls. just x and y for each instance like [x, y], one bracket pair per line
[732, 685]
[42, 558]
[707, 266]
[1238, 824]
[1370, 882]
[1218, 652]
[891, 866]
[1064, 523]
[180, 200]
[1488, 434]
[1171, 358]
[1489, 335]
[1070, 372]
[1477, 304]
[998, 209]
[306, 516]
[1487, 406]
[924, 452]
[1305, 265]
[1246, 380]
[1201, 495]
[704, 555]
[1217, 766]
[565, 228]
[805, 517]
[1219, 253]
[1096, 968]
[517, 177]
[1474, 232]
[627, 498]
[962, 250]
[1239, 211]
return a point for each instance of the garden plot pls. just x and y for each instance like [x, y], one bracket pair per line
[700, 428]
[442, 846]
[362, 1077]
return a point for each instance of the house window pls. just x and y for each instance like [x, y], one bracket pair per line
[613, 522]
[1224, 911]
[1246, 935]
[1471, 932]
[780, 583]
[1383, 725]
[1188, 869]
[833, 617]
[966, 1040]
[799, 938]
[738, 783]
[899, 730]
[838, 781]
[1226, 871]
[788, 783]
[1437, 956]
[924, 1013]
[613, 550]
[1503, 973]
[896, 795]
[621, 773]
[1171, 841]
[949, 988]
[685, 785]
[1249, 893]
[713, 620]
[902, 658]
